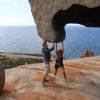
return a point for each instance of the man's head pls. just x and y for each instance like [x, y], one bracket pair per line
[45, 45]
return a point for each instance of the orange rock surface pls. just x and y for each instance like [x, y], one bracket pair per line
[83, 82]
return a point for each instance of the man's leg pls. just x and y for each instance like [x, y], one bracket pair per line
[44, 79]
[46, 72]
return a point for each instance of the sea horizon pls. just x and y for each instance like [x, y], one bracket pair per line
[24, 39]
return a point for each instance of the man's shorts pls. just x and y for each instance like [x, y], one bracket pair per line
[46, 68]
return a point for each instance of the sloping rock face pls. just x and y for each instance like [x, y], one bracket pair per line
[83, 82]
[44, 10]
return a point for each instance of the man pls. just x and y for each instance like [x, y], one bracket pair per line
[46, 63]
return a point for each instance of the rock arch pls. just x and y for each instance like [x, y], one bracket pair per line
[51, 16]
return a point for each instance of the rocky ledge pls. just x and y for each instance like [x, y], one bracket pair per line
[83, 82]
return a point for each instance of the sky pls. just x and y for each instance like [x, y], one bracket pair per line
[15, 12]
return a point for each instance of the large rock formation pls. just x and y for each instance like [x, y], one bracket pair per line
[45, 11]
[83, 82]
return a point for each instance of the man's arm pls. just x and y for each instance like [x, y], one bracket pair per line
[52, 48]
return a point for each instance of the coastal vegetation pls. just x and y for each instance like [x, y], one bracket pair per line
[7, 62]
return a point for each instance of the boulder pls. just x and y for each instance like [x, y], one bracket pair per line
[87, 53]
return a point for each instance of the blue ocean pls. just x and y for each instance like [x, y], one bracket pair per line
[81, 38]
[24, 39]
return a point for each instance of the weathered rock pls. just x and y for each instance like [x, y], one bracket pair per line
[45, 10]
[25, 82]
[87, 53]
[2, 79]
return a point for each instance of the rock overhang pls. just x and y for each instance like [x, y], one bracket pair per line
[52, 15]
